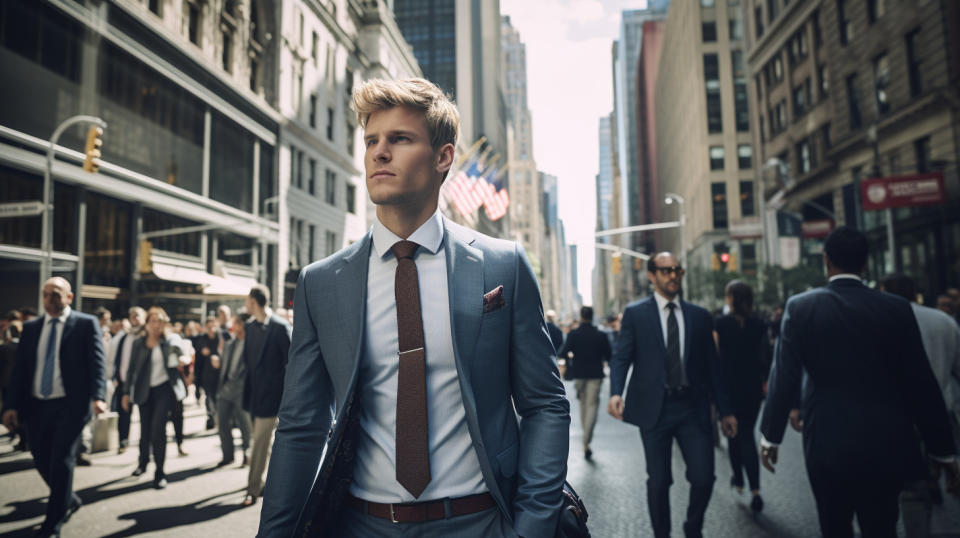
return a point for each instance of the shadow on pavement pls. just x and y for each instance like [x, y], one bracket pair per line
[14, 466]
[168, 517]
[38, 507]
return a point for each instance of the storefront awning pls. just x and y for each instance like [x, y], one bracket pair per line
[213, 285]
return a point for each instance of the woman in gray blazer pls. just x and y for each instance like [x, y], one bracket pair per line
[155, 385]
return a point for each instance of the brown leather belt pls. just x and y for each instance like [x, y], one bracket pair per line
[425, 511]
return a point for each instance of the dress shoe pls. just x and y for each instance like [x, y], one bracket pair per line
[83, 460]
[587, 454]
[245, 461]
[160, 483]
[21, 446]
[249, 500]
[224, 463]
[181, 452]
[121, 449]
[75, 505]
[45, 533]
[210, 423]
[139, 471]
[756, 504]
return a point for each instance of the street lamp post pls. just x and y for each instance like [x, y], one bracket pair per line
[670, 199]
[46, 226]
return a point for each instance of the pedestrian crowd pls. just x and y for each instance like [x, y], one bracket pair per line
[55, 364]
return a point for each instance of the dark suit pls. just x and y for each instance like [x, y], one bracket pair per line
[869, 390]
[585, 351]
[663, 417]
[263, 387]
[556, 335]
[54, 425]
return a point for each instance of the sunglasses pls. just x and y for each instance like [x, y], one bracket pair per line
[676, 269]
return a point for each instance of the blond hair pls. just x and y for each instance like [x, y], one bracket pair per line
[440, 114]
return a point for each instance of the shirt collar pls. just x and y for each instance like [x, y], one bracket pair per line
[62, 318]
[846, 275]
[662, 301]
[429, 235]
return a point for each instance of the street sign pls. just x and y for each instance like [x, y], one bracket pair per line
[902, 191]
[746, 228]
[29, 208]
[817, 228]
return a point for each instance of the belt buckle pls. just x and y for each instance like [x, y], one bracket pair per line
[393, 514]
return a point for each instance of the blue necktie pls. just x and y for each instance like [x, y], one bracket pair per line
[46, 382]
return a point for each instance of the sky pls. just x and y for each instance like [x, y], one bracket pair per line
[569, 88]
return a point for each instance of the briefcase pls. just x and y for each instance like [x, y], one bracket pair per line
[573, 515]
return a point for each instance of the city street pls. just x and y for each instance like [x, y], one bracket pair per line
[204, 501]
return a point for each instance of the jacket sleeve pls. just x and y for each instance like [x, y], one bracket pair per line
[21, 382]
[306, 412]
[786, 375]
[98, 362]
[540, 400]
[605, 350]
[718, 387]
[623, 352]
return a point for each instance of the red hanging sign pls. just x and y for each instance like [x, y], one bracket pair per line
[902, 191]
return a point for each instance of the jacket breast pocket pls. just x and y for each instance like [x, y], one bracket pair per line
[507, 461]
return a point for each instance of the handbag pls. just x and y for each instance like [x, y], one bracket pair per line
[573, 515]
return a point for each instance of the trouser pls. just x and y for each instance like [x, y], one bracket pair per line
[588, 393]
[54, 435]
[263, 428]
[486, 524]
[176, 418]
[743, 447]
[678, 420]
[230, 413]
[123, 418]
[210, 389]
[839, 498]
[153, 427]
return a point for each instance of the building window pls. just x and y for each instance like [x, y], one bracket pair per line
[351, 136]
[231, 163]
[711, 73]
[299, 169]
[709, 31]
[313, 110]
[314, 45]
[300, 31]
[193, 23]
[330, 124]
[804, 157]
[254, 73]
[227, 52]
[881, 80]
[913, 63]
[351, 198]
[921, 150]
[734, 22]
[800, 100]
[312, 176]
[825, 137]
[716, 157]
[846, 25]
[154, 6]
[348, 83]
[708, 3]
[773, 10]
[312, 238]
[797, 49]
[817, 32]
[332, 245]
[875, 10]
[824, 78]
[301, 252]
[758, 21]
[740, 103]
[746, 199]
[330, 188]
[745, 156]
[853, 105]
[778, 118]
[718, 195]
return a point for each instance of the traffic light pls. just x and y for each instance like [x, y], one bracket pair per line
[92, 150]
[732, 262]
[638, 264]
[615, 267]
[721, 257]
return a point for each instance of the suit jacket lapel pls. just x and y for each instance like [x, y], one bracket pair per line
[351, 286]
[465, 289]
[68, 327]
[687, 330]
[655, 325]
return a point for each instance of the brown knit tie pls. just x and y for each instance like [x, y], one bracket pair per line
[413, 450]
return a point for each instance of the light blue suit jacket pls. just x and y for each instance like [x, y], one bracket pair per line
[504, 359]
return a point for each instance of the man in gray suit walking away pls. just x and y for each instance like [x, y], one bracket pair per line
[414, 351]
[233, 376]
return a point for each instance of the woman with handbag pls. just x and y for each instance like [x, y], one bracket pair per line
[155, 385]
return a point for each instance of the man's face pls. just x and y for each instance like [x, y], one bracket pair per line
[402, 168]
[137, 318]
[250, 304]
[56, 296]
[212, 328]
[105, 320]
[666, 279]
[238, 330]
[945, 303]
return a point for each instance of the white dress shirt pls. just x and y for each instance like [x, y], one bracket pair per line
[158, 367]
[664, 315]
[454, 467]
[58, 391]
[125, 350]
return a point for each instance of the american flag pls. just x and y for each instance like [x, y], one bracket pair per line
[462, 189]
[495, 199]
